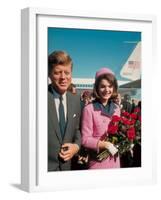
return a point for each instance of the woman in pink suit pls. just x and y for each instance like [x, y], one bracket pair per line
[96, 118]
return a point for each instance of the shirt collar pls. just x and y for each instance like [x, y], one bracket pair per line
[108, 110]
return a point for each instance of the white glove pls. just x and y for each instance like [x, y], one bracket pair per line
[112, 149]
[131, 149]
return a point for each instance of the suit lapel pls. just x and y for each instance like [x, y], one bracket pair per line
[69, 114]
[54, 116]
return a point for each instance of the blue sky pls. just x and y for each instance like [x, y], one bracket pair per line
[92, 49]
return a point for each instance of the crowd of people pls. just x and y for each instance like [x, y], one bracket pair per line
[77, 124]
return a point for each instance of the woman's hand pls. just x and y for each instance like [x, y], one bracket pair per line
[112, 149]
[108, 145]
[103, 144]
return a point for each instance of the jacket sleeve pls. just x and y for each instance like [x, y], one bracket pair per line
[87, 129]
[77, 135]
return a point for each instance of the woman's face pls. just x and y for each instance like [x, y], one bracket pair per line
[105, 90]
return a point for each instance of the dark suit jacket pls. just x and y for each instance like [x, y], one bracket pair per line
[72, 132]
[126, 106]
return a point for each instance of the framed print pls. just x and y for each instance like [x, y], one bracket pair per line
[93, 43]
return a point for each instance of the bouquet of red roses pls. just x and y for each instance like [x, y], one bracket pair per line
[123, 132]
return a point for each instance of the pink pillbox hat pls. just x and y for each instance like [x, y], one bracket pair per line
[103, 71]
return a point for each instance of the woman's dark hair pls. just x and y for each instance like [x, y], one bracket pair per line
[58, 58]
[113, 82]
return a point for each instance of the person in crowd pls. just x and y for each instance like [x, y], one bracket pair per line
[86, 98]
[64, 138]
[96, 117]
[126, 105]
[118, 100]
[139, 105]
[72, 88]
[133, 105]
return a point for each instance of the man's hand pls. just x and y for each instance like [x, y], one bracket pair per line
[68, 150]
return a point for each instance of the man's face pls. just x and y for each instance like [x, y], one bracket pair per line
[61, 76]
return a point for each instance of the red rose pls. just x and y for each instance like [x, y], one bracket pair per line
[131, 133]
[115, 119]
[133, 116]
[132, 121]
[125, 121]
[125, 114]
[112, 129]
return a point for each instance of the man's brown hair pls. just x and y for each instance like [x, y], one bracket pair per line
[58, 58]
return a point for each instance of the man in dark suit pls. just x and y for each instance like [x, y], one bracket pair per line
[64, 111]
[126, 105]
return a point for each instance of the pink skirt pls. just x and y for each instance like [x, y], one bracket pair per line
[105, 164]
